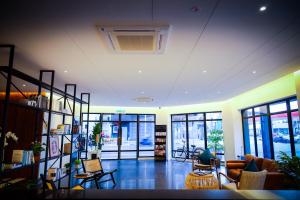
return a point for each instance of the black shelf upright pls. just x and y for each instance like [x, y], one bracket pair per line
[88, 95]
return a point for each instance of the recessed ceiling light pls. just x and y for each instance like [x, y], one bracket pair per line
[186, 92]
[24, 85]
[219, 92]
[263, 8]
[66, 71]
[140, 71]
[253, 72]
[142, 92]
[204, 71]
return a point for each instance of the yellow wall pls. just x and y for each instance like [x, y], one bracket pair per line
[231, 111]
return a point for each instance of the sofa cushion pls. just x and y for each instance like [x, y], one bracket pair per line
[251, 166]
[269, 165]
[259, 162]
[249, 157]
[234, 173]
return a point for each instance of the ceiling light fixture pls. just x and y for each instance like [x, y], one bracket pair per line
[142, 92]
[253, 72]
[140, 71]
[186, 92]
[204, 71]
[24, 85]
[66, 71]
[263, 8]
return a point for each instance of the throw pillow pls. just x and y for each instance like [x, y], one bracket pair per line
[205, 157]
[251, 166]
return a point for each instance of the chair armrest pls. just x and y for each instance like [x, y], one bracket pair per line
[228, 178]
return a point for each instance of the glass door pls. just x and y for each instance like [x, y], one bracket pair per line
[128, 137]
[110, 127]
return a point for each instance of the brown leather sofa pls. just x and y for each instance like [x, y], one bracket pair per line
[275, 180]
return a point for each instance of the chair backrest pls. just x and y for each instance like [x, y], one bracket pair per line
[49, 184]
[252, 180]
[92, 166]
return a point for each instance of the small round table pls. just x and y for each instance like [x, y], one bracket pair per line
[196, 181]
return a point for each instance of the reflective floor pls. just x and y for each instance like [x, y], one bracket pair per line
[145, 174]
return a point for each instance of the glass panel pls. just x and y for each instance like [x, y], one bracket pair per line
[146, 131]
[110, 117]
[260, 110]
[280, 132]
[129, 136]
[196, 116]
[94, 117]
[278, 107]
[128, 117]
[178, 117]
[247, 113]
[296, 130]
[109, 155]
[246, 137]
[259, 139]
[293, 104]
[110, 138]
[146, 153]
[250, 130]
[128, 155]
[84, 117]
[215, 115]
[90, 126]
[179, 135]
[196, 135]
[211, 126]
[147, 117]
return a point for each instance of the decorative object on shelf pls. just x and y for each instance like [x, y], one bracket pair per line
[68, 168]
[37, 148]
[17, 156]
[52, 174]
[67, 148]
[8, 135]
[53, 147]
[290, 166]
[81, 143]
[77, 163]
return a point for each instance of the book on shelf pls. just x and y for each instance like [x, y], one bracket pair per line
[23, 156]
[67, 148]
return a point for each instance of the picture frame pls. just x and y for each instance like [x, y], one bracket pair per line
[54, 146]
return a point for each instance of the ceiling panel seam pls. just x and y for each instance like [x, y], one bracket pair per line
[202, 30]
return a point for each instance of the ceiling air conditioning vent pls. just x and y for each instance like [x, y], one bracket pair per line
[136, 39]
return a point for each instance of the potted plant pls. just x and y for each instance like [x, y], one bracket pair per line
[68, 168]
[291, 167]
[37, 148]
[77, 163]
[214, 138]
[97, 138]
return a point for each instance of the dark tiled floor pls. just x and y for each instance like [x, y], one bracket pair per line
[145, 174]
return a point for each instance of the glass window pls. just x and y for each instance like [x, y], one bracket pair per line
[280, 133]
[146, 117]
[212, 126]
[248, 113]
[259, 138]
[178, 117]
[84, 117]
[196, 135]
[195, 116]
[129, 135]
[129, 117]
[278, 107]
[94, 117]
[214, 115]
[293, 104]
[146, 131]
[110, 117]
[260, 110]
[296, 131]
[179, 135]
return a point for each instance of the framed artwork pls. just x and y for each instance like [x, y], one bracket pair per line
[54, 146]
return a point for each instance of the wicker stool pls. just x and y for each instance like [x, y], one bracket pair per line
[196, 181]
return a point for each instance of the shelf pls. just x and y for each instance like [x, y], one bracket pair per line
[60, 113]
[53, 158]
[161, 136]
[19, 167]
[25, 106]
[44, 85]
[160, 143]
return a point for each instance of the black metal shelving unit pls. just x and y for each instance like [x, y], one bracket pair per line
[8, 72]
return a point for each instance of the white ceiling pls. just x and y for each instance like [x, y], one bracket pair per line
[228, 38]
